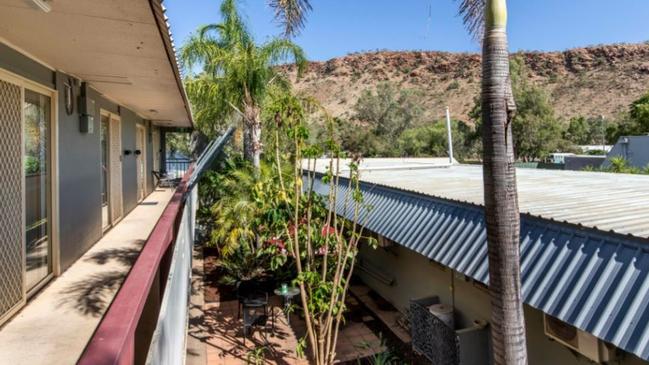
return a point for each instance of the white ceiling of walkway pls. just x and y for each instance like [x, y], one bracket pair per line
[116, 46]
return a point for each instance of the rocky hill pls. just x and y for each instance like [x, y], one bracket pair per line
[590, 81]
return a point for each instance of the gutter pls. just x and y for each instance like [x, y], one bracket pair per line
[161, 21]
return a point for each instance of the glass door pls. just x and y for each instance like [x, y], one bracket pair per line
[105, 170]
[36, 142]
[140, 146]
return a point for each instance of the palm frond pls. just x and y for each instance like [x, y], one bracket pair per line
[291, 14]
[279, 50]
[473, 16]
[234, 28]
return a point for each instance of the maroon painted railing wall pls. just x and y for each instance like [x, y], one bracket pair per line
[113, 342]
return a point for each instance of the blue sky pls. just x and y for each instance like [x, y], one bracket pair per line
[339, 27]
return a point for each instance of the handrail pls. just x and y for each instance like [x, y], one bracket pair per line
[113, 342]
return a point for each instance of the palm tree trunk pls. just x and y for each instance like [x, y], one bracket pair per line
[237, 138]
[252, 148]
[247, 142]
[255, 133]
[500, 195]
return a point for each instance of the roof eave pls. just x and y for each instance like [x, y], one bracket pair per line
[158, 12]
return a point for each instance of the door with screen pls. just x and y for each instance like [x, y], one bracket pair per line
[26, 170]
[36, 142]
[12, 253]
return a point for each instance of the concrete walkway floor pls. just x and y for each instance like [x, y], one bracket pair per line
[56, 325]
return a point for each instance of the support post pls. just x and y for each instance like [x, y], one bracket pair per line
[163, 153]
[449, 131]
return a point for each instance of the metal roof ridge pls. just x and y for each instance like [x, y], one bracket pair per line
[481, 206]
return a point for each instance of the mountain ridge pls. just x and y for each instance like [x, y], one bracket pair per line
[589, 81]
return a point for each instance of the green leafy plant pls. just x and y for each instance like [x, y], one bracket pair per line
[256, 356]
[620, 165]
[386, 357]
[245, 218]
[32, 165]
[322, 245]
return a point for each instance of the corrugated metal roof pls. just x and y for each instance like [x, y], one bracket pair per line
[608, 202]
[596, 281]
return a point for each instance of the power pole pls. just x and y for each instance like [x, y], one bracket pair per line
[602, 127]
[450, 135]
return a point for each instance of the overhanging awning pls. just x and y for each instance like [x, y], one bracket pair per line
[122, 48]
[595, 281]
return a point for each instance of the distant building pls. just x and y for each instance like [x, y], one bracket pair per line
[558, 157]
[595, 147]
[582, 162]
[634, 149]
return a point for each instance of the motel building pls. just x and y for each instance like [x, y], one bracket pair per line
[96, 252]
[584, 260]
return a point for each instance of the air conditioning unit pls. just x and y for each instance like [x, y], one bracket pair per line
[580, 341]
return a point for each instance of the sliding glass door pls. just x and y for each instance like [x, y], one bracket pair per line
[36, 149]
[105, 170]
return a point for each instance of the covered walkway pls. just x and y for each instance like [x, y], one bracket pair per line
[56, 325]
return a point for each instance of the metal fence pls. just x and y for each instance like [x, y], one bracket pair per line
[168, 342]
[176, 167]
[430, 336]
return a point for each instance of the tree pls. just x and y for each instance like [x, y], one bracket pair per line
[431, 140]
[502, 215]
[387, 110]
[178, 142]
[578, 131]
[291, 14]
[586, 131]
[633, 122]
[236, 74]
[639, 112]
[322, 245]
[536, 130]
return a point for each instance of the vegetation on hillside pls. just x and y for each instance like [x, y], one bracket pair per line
[389, 121]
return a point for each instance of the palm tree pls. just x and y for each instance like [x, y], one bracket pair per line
[235, 74]
[487, 19]
[499, 174]
[291, 14]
